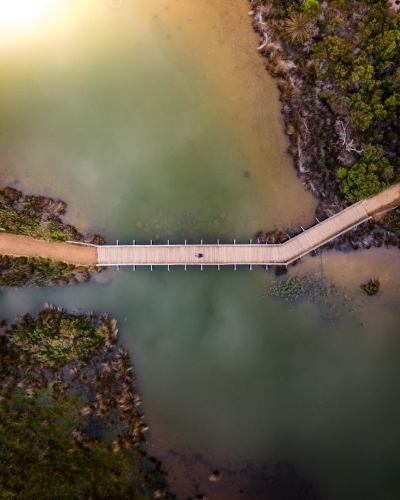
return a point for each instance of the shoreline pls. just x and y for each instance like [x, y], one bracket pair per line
[26, 246]
[322, 234]
[319, 143]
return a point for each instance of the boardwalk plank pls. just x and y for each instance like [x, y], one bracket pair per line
[235, 254]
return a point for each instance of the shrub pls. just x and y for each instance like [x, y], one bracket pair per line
[55, 338]
[371, 288]
[368, 177]
[311, 7]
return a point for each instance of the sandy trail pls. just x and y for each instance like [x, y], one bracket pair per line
[382, 201]
[26, 246]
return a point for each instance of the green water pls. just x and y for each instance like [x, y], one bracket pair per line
[146, 128]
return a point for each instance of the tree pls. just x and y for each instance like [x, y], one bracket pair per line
[368, 177]
[311, 7]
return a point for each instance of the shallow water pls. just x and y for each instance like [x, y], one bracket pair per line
[145, 120]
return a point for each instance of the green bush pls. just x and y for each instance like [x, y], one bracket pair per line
[371, 288]
[311, 7]
[18, 271]
[368, 177]
[55, 338]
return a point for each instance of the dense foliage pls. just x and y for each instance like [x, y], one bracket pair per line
[338, 66]
[358, 52]
[54, 338]
[41, 460]
[367, 177]
[37, 216]
[19, 271]
[69, 425]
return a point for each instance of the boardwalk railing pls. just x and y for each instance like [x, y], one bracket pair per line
[79, 253]
[251, 254]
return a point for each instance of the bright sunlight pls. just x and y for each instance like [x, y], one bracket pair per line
[23, 13]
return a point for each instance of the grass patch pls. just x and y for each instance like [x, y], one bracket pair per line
[299, 287]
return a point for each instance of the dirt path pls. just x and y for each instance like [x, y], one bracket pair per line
[382, 201]
[26, 246]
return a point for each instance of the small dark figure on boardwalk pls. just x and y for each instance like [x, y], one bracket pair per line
[198, 255]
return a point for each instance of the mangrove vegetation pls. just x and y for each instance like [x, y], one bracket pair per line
[337, 66]
[69, 419]
[42, 218]
[37, 271]
[39, 217]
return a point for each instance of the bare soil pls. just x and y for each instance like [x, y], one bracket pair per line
[26, 246]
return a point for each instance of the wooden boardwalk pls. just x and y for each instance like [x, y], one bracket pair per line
[170, 255]
[251, 254]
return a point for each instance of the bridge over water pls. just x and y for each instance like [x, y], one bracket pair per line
[216, 255]
[232, 254]
[251, 254]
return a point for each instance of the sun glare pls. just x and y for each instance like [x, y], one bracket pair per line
[23, 13]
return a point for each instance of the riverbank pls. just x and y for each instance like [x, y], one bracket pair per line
[26, 246]
[307, 241]
[68, 411]
[312, 50]
[33, 248]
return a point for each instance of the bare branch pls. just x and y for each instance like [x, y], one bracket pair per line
[346, 141]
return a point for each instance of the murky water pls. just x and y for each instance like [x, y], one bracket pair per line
[146, 119]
